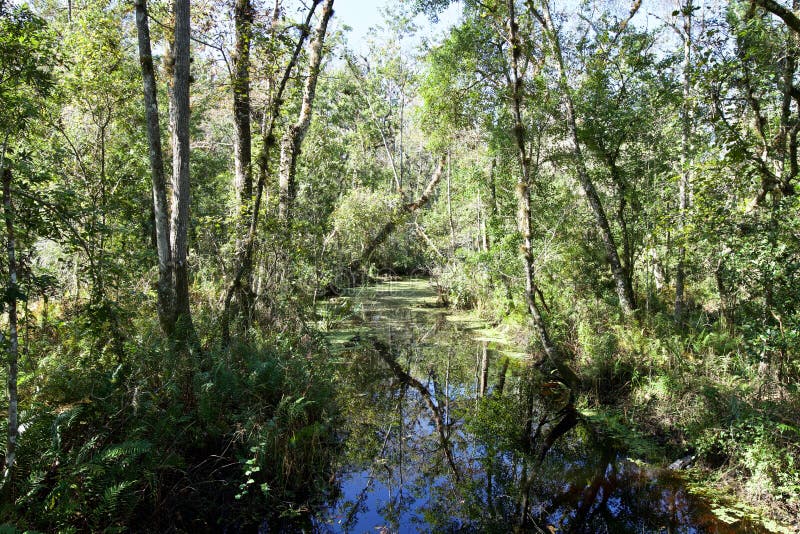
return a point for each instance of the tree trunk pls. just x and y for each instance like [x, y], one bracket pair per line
[179, 224]
[623, 287]
[621, 184]
[13, 339]
[409, 208]
[240, 82]
[244, 254]
[683, 187]
[523, 191]
[166, 313]
[787, 15]
[293, 139]
[243, 169]
[450, 210]
[482, 224]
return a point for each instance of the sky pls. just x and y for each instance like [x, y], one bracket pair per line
[361, 15]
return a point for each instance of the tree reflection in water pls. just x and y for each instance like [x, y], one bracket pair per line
[442, 432]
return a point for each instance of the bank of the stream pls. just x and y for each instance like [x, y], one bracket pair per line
[448, 425]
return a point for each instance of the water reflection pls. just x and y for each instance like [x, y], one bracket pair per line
[445, 433]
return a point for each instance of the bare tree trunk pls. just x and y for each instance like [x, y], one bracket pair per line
[293, 139]
[166, 313]
[401, 148]
[240, 82]
[482, 224]
[492, 214]
[243, 168]
[523, 190]
[13, 339]
[623, 287]
[683, 187]
[421, 231]
[179, 224]
[493, 187]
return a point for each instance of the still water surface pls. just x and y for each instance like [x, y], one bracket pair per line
[444, 431]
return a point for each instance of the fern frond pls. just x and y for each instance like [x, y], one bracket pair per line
[126, 451]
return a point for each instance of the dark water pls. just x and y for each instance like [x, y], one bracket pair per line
[445, 432]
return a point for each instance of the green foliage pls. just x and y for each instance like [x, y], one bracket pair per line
[762, 450]
[120, 427]
[106, 440]
[26, 57]
[497, 421]
[466, 282]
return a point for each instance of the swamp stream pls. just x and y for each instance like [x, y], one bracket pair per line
[445, 429]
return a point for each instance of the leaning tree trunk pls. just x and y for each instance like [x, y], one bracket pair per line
[166, 297]
[13, 339]
[523, 193]
[180, 172]
[621, 279]
[787, 15]
[293, 139]
[407, 209]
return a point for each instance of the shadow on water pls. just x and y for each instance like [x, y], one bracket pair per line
[443, 432]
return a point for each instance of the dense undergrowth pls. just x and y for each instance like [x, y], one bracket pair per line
[704, 393]
[113, 439]
[646, 182]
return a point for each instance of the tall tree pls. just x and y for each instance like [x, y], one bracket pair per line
[12, 290]
[26, 80]
[686, 132]
[166, 290]
[240, 83]
[516, 83]
[179, 119]
[243, 259]
[242, 144]
[293, 138]
[621, 279]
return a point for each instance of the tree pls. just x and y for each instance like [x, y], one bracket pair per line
[240, 85]
[524, 184]
[12, 296]
[788, 16]
[179, 126]
[685, 180]
[407, 208]
[25, 82]
[173, 285]
[243, 258]
[622, 280]
[166, 289]
[293, 138]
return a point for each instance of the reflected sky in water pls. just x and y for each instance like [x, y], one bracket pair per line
[443, 432]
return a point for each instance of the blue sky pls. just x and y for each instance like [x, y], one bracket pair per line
[361, 15]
